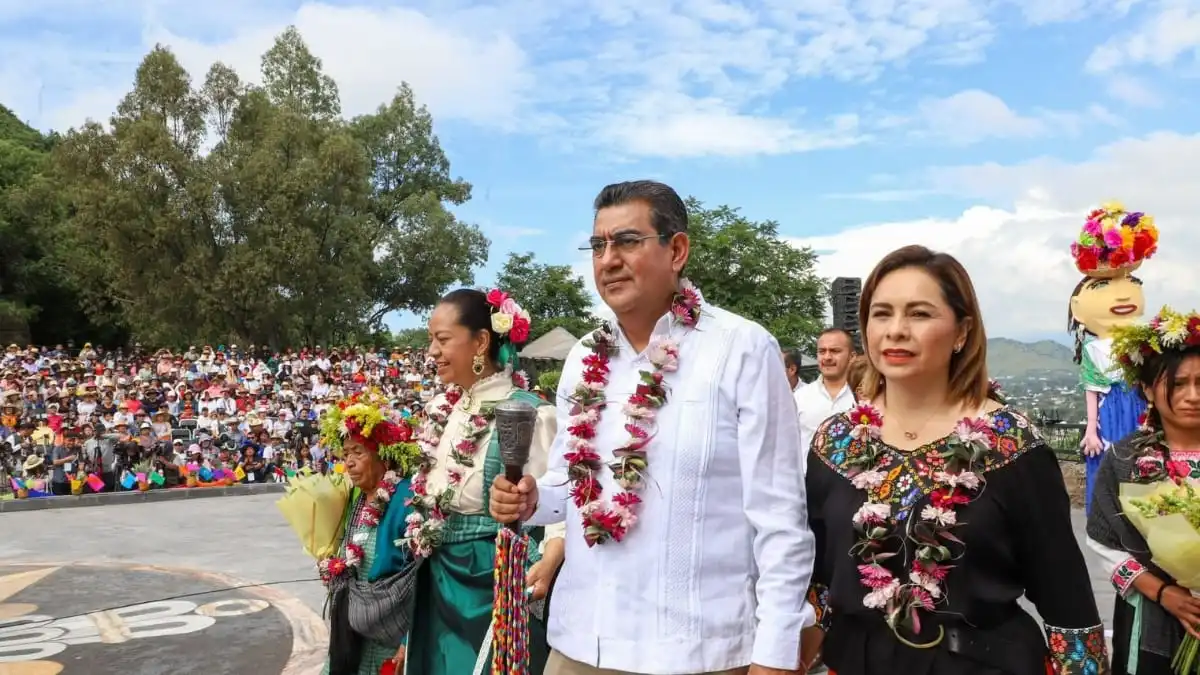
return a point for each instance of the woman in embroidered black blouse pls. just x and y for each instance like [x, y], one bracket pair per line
[1152, 611]
[935, 507]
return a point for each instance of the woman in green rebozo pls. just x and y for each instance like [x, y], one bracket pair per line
[370, 579]
[473, 339]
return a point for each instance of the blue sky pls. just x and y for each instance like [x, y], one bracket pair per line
[986, 129]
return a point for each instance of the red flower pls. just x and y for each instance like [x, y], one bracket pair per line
[496, 297]
[583, 430]
[1118, 258]
[585, 490]
[388, 668]
[1177, 469]
[1193, 326]
[453, 395]
[1143, 244]
[1086, 260]
[587, 458]
[519, 332]
[948, 498]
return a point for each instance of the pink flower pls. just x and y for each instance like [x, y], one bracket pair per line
[874, 576]
[496, 297]
[868, 480]
[972, 431]
[1112, 238]
[510, 307]
[872, 513]
[1092, 227]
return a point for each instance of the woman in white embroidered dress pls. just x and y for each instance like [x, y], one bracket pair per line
[473, 340]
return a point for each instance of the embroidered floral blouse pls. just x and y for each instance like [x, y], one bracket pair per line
[469, 497]
[1013, 538]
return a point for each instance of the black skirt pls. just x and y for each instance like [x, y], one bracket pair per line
[1148, 664]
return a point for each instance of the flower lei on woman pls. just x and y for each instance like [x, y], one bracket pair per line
[1113, 239]
[424, 525]
[920, 588]
[1132, 345]
[604, 521]
[362, 418]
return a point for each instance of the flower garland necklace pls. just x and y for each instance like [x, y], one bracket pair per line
[902, 602]
[368, 517]
[424, 525]
[604, 521]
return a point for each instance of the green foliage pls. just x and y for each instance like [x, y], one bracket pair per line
[552, 294]
[35, 291]
[548, 381]
[743, 266]
[231, 212]
[411, 338]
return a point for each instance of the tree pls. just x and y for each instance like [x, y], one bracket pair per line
[552, 294]
[744, 266]
[37, 300]
[411, 338]
[256, 213]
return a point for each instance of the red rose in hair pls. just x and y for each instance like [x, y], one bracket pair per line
[496, 297]
[519, 332]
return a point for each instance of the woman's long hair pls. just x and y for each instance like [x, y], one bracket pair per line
[968, 368]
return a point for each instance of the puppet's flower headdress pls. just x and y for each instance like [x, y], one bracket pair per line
[1167, 331]
[1114, 241]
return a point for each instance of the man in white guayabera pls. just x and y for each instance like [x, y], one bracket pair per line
[677, 469]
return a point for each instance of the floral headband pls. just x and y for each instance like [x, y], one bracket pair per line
[1167, 331]
[364, 417]
[511, 322]
[1114, 241]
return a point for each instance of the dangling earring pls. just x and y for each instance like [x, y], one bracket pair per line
[1147, 425]
[477, 364]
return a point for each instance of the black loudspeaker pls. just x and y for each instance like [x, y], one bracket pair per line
[844, 295]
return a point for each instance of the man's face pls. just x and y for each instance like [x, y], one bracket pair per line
[793, 375]
[630, 262]
[833, 355]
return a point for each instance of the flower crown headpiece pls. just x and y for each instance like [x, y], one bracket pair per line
[1167, 331]
[1114, 241]
[511, 322]
[367, 418]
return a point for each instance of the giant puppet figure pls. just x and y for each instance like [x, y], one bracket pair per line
[1111, 246]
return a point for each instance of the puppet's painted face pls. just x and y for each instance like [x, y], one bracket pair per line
[1103, 304]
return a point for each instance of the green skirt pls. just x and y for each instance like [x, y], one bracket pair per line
[454, 610]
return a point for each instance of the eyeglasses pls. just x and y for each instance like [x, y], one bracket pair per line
[625, 242]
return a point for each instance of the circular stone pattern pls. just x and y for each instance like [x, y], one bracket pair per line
[77, 619]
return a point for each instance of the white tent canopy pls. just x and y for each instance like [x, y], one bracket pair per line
[554, 345]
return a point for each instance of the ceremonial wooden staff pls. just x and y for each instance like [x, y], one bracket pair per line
[510, 620]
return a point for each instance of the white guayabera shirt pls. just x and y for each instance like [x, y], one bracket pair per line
[714, 573]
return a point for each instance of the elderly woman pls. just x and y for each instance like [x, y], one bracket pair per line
[1152, 612]
[927, 534]
[473, 340]
[370, 577]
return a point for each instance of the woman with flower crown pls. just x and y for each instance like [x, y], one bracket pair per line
[1111, 246]
[920, 500]
[1162, 360]
[369, 579]
[473, 340]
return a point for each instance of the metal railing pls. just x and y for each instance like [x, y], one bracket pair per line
[1063, 439]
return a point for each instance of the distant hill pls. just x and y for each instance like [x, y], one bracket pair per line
[1010, 358]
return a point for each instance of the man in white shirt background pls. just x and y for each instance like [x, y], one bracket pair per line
[792, 361]
[828, 394]
[710, 576]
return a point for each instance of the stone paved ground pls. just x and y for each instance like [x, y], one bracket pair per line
[244, 537]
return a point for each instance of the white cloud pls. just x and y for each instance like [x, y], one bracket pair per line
[658, 78]
[1133, 91]
[1159, 40]
[973, 115]
[1018, 255]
